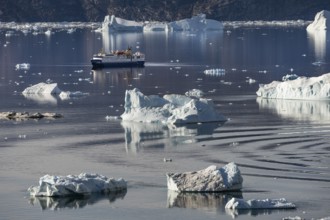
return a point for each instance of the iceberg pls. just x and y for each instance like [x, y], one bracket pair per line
[169, 109]
[211, 179]
[321, 21]
[196, 23]
[236, 203]
[303, 88]
[318, 33]
[76, 185]
[112, 23]
[42, 88]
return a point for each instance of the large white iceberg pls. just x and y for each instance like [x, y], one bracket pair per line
[304, 88]
[169, 109]
[112, 23]
[76, 185]
[42, 88]
[236, 203]
[211, 179]
[321, 21]
[196, 23]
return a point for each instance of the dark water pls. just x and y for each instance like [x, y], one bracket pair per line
[282, 147]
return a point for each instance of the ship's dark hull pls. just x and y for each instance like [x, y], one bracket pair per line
[100, 64]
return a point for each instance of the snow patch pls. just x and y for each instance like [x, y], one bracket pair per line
[169, 109]
[76, 185]
[211, 179]
[304, 88]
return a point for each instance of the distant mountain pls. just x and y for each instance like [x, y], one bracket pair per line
[160, 10]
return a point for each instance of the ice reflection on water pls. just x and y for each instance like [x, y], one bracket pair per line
[301, 110]
[137, 134]
[58, 203]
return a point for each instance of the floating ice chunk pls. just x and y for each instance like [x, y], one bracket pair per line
[73, 185]
[293, 218]
[313, 88]
[211, 179]
[290, 77]
[196, 23]
[22, 66]
[42, 88]
[195, 93]
[48, 32]
[321, 21]
[251, 81]
[170, 109]
[68, 95]
[26, 115]
[235, 204]
[215, 72]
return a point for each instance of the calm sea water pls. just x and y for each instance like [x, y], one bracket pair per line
[281, 147]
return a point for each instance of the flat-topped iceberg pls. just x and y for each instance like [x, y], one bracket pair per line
[169, 109]
[42, 88]
[304, 88]
[76, 185]
[196, 23]
[236, 203]
[211, 179]
[112, 23]
[321, 21]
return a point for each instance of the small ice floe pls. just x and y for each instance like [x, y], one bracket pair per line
[215, 72]
[226, 83]
[195, 93]
[235, 204]
[26, 115]
[76, 185]
[71, 30]
[303, 88]
[293, 218]
[251, 81]
[167, 160]
[211, 179]
[48, 32]
[79, 71]
[290, 77]
[169, 109]
[22, 66]
[65, 95]
[110, 118]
